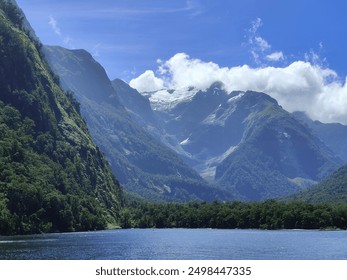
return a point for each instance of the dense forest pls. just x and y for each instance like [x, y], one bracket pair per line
[270, 214]
[332, 189]
[52, 175]
[53, 178]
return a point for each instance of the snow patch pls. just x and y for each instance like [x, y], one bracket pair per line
[126, 151]
[236, 98]
[167, 99]
[167, 188]
[211, 119]
[185, 142]
[207, 170]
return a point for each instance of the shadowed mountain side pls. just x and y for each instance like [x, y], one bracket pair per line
[334, 135]
[242, 141]
[333, 189]
[280, 154]
[141, 163]
[52, 175]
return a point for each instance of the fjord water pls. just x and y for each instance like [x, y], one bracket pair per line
[176, 244]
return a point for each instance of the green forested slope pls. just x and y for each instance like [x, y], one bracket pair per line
[143, 165]
[277, 155]
[333, 189]
[52, 175]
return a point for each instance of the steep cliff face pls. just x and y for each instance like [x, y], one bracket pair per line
[242, 141]
[52, 175]
[277, 154]
[332, 134]
[142, 164]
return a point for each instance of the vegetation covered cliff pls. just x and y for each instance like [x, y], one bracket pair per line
[52, 175]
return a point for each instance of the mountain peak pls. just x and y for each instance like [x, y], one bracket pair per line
[81, 69]
[53, 176]
[142, 164]
[217, 85]
[259, 97]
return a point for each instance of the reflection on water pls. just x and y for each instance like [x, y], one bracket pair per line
[178, 244]
[27, 241]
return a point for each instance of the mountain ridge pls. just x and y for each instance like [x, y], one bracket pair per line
[52, 177]
[333, 134]
[332, 189]
[211, 129]
[142, 164]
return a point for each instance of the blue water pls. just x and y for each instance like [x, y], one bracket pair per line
[179, 244]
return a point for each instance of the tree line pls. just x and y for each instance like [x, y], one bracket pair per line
[270, 214]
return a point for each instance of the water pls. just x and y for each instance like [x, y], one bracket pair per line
[179, 244]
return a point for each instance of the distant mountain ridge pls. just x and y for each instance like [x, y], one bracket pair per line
[137, 105]
[334, 135]
[242, 141]
[279, 152]
[142, 164]
[175, 145]
[332, 189]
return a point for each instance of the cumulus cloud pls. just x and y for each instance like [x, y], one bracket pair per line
[262, 43]
[259, 47]
[275, 56]
[307, 85]
[300, 85]
[147, 82]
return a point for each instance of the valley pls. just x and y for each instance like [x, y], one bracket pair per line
[82, 152]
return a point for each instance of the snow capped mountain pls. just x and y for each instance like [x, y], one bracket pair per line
[242, 141]
[123, 124]
[167, 99]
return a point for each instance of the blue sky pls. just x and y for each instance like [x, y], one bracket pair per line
[293, 50]
[127, 37]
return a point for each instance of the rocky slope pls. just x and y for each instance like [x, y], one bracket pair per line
[52, 175]
[242, 141]
[141, 163]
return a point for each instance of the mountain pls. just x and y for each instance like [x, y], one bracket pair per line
[242, 141]
[278, 153]
[17, 10]
[141, 163]
[333, 189]
[332, 134]
[52, 175]
[138, 106]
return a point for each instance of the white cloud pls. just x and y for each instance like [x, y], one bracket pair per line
[189, 7]
[275, 56]
[256, 25]
[96, 50]
[67, 40]
[316, 57]
[56, 29]
[147, 82]
[256, 56]
[300, 85]
[307, 85]
[54, 24]
[260, 48]
[194, 7]
[262, 43]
